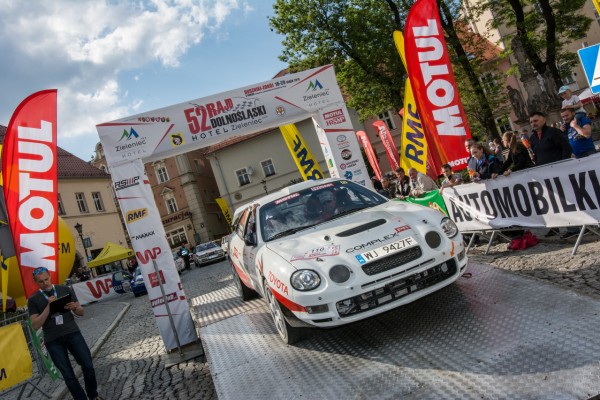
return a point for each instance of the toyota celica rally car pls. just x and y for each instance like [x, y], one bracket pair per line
[331, 252]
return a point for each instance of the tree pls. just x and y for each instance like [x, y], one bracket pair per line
[544, 27]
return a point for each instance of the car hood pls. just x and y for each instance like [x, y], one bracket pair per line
[339, 240]
[209, 251]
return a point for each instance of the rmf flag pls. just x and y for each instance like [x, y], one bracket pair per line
[434, 85]
[597, 5]
[414, 150]
[29, 172]
[306, 163]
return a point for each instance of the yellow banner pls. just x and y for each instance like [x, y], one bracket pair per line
[15, 363]
[413, 146]
[306, 163]
[225, 210]
[597, 5]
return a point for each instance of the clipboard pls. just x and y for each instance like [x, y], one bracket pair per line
[58, 305]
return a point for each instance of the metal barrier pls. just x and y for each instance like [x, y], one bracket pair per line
[38, 369]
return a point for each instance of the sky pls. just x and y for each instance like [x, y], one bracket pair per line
[110, 59]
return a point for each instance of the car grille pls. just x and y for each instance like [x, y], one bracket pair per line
[397, 289]
[393, 261]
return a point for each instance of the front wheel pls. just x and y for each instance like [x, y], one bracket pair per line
[287, 333]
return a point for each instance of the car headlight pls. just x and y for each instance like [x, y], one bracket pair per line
[449, 227]
[305, 279]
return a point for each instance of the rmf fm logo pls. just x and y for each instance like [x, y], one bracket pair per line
[135, 215]
[128, 135]
[314, 86]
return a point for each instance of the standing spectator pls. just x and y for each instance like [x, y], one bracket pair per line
[498, 150]
[548, 144]
[82, 275]
[518, 156]
[376, 184]
[572, 102]
[402, 184]
[451, 179]
[420, 183]
[62, 335]
[185, 254]
[579, 133]
[471, 163]
[487, 165]
[389, 189]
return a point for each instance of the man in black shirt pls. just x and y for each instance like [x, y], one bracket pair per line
[548, 144]
[62, 335]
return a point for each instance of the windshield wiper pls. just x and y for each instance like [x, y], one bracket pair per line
[346, 212]
[289, 232]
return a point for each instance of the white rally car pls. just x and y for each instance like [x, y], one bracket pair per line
[331, 252]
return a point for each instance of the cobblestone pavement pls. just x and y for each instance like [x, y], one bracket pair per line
[131, 362]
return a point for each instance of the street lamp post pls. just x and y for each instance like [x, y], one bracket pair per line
[79, 229]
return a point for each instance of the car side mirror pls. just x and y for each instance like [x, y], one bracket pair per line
[250, 239]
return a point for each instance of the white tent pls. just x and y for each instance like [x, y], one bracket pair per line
[586, 96]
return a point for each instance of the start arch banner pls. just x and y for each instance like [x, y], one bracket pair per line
[177, 129]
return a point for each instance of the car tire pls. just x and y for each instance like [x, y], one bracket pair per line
[289, 334]
[243, 291]
[137, 294]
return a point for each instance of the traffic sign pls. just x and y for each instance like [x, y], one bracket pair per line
[590, 60]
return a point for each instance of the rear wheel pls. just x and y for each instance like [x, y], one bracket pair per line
[289, 334]
[243, 291]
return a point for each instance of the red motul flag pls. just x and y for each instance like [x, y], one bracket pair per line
[434, 86]
[366, 144]
[30, 185]
[388, 144]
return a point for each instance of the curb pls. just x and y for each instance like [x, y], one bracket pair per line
[63, 390]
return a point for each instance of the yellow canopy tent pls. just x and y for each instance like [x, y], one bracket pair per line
[111, 252]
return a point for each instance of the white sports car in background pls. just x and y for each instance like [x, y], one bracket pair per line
[331, 252]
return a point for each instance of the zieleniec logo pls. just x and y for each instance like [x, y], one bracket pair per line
[128, 135]
[314, 86]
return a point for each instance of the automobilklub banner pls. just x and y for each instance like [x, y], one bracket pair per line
[30, 185]
[148, 237]
[566, 193]
[434, 85]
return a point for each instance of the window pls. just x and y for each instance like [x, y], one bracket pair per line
[171, 206]
[176, 237]
[81, 203]
[161, 172]
[243, 176]
[503, 124]
[489, 83]
[98, 201]
[268, 167]
[387, 118]
[61, 208]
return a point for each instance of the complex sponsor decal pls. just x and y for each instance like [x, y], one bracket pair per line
[154, 279]
[346, 154]
[231, 114]
[334, 117]
[330, 250]
[177, 139]
[277, 283]
[370, 243]
[286, 198]
[125, 183]
[134, 215]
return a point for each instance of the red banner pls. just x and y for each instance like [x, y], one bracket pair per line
[366, 144]
[30, 185]
[434, 86]
[388, 144]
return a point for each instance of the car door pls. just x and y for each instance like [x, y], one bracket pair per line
[237, 247]
[249, 253]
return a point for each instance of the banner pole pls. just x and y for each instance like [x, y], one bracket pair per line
[164, 296]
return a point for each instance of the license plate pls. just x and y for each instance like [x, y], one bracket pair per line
[385, 250]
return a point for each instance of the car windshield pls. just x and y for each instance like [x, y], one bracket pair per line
[313, 206]
[205, 246]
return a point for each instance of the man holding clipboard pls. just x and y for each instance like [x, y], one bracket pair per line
[53, 307]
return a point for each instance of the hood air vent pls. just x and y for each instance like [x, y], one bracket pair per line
[361, 228]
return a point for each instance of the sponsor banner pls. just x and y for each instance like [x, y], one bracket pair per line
[30, 185]
[433, 84]
[206, 121]
[141, 217]
[340, 145]
[431, 199]
[225, 210]
[305, 162]
[597, 5]
[366, 144]
[97, 289]
[40, 346]
[15, 364]
[566, 193]
[388, 143]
